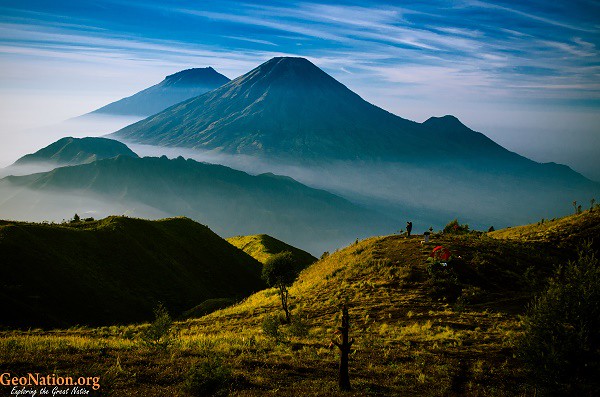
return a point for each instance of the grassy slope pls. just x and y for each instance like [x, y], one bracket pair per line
[568, 231]
[261, 247]
[115, 270]
[408, 342]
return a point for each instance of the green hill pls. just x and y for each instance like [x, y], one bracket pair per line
[73, 151]
[115, 270]
[261, 247]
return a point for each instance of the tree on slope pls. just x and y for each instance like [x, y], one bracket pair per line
[279, 271]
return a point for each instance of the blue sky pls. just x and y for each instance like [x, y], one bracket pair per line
[525, 73]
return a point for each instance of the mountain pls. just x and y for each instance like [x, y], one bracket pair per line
[231, 202]
[288, 113]
[288, 107]
[284, 107]
[261, 247]
[115, 270]
[173, 89]
[73, 151]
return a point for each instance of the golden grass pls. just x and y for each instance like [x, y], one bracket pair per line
[407, 343]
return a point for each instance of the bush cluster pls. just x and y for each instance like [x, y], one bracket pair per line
[443, 281]
[453, 227]
[210, 377]
[561, 342]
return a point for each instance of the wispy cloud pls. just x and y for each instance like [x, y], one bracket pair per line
[463, 48]
[534, 17]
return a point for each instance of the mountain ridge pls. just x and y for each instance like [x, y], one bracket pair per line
[289, 108]
[232, 202]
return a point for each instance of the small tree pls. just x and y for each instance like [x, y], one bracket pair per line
[279, 271]
[76, 218]
[158, 333]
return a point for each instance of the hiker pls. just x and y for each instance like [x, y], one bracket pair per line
[408, 228]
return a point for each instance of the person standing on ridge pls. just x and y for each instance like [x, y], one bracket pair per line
[408, 228]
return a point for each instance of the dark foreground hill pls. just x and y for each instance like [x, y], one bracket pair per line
[73, 151]
[418, 330]
[231, 202]
[115, 270]
[173, 89]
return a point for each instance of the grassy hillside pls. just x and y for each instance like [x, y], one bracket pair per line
[261, 247]
[115, 270]
[568, 231]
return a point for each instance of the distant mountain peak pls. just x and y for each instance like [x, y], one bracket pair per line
[175, 88]
[447, 121]
[195, 76]
[288, 62]
[294, 67]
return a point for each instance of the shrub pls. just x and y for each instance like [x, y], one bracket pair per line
[158, 333]
[209, 377]
[443, 281]
[469, 295]
[453, 227]
[561, 344]
[298, 327]
[270, 327]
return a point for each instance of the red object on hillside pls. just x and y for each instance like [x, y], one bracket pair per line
[441, 253]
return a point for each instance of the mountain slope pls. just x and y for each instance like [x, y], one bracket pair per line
[231, 202]
[173, 89]
[261, 247]
[287, 107]
[73, 151]
[115, 270]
